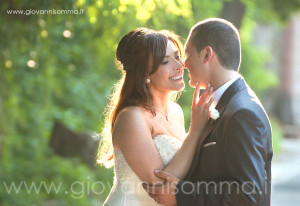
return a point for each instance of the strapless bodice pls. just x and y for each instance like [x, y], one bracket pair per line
[127, 189]
[166, 146]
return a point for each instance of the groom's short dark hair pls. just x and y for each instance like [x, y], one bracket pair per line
[222, 37]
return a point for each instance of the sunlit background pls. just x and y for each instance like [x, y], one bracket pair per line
[57, 70]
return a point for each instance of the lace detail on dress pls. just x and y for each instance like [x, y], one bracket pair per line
[123, 171]
[166, 145]
[127, 189]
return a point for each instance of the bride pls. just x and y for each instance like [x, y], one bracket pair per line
[144, 127]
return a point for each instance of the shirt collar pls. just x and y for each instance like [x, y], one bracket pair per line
[218, 93]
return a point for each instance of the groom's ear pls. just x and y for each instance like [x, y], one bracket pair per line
[207, 54]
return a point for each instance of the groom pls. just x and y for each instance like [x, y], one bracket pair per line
[233, 165]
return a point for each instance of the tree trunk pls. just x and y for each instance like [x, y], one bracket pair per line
[234, 12]
[67, 143]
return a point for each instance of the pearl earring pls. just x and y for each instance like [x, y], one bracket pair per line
[147, 81]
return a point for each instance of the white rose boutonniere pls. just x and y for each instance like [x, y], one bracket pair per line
[214, 114]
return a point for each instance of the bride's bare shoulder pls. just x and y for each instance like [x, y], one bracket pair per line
[131, 117]
[131, 112]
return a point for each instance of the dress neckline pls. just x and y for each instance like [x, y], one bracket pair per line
[155, 137]
[166, 135]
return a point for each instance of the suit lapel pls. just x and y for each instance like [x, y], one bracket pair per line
[236, 86]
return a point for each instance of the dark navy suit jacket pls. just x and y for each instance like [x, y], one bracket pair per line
[233, 164]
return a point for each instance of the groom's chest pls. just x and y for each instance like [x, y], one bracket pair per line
[211, 160]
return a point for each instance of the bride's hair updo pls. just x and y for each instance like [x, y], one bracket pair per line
[139, 54]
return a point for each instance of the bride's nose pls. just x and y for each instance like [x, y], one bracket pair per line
[179, 65]
[183, 63]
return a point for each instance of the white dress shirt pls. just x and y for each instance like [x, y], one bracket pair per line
[218, 93]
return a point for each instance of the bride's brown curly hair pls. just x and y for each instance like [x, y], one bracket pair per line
[139, 54]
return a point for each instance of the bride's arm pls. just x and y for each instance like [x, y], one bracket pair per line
[181, 162]
[132, 135]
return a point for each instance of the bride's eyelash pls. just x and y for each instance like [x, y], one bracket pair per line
[166, 62]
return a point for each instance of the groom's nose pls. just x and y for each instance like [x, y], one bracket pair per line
[184, 66]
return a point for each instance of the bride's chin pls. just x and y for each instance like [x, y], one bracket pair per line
[182, 86]
[192, 84]
[178, 89]
[181, 89]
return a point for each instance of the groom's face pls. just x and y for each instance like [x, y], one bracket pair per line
[195, 66]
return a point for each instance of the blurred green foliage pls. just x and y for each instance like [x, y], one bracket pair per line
[277, 134]
[61, 67]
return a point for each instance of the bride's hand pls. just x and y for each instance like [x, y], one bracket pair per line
[200, 109]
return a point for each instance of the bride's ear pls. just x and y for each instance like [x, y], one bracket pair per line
[207, 54]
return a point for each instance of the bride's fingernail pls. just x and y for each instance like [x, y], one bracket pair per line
[211, 89]
[208, 84]
[197, 83]
[156, 171]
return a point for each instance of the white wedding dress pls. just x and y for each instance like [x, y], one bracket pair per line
[127, 189]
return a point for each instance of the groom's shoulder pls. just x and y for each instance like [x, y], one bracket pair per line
[246, 100]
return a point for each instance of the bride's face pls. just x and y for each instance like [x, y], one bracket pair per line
[169, 75]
